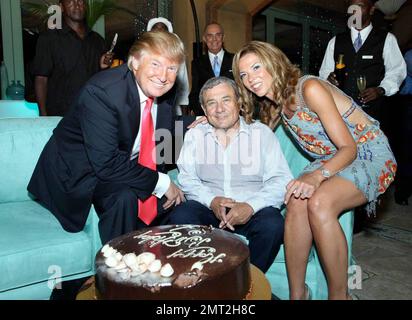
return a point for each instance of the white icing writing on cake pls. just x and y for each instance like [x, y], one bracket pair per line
[175, 238]
[206, 253]
[172, 238]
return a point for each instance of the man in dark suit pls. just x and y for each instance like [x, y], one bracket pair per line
[103, 151]
[217, 62]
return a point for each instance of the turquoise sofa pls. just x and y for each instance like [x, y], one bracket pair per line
[35, 252]
[18, 109]
[34, 249]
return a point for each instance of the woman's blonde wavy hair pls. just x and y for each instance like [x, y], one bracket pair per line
[285, 78]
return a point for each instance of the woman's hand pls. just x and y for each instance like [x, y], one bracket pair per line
[201, 120]
[304, 187]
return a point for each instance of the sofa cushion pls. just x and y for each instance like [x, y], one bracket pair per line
[33, 246]
[21, 142]
[18, 109]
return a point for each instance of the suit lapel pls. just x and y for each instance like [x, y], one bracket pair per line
[163, 114]
[206, 63]
[226, 63]
[134, 102]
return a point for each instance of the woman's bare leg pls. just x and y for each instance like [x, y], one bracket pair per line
[332, 198]
[297, 241]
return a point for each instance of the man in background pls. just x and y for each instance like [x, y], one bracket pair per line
[372, 53]
[216, 62]
[65, 59]
[161, 24]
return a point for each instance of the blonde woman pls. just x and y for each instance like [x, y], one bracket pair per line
[352, 166]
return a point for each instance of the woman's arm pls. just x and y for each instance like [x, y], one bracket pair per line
[319, 99]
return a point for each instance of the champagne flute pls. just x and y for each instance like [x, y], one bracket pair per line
[361, 83]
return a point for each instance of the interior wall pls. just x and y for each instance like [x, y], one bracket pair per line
[236, 34]
[184, 26]
[234, 15]
[237, 25]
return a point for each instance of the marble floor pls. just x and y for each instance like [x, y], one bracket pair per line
[383, 251]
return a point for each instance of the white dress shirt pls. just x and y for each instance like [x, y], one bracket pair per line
[163, 182]
[251, 169]
[219, 55]
[395, 67]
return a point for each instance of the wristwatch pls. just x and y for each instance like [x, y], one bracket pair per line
[325, 173]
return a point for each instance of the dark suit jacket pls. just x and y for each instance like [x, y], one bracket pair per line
[93, 144]
[202, 71]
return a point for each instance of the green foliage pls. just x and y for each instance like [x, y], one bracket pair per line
[95, 9]
[98, 8]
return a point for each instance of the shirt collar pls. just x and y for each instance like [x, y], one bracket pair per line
[67, 29]
[243, 127]
[364, 33]
[142, 96]
[219, 55]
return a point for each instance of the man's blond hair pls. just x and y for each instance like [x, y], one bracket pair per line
[163, 43]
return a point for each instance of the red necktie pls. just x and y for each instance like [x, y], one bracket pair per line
[148, 208]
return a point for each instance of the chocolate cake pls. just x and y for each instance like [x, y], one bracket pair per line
[174, 262]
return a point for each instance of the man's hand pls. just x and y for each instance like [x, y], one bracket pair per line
[106, 60]
[332, 79]
[370, 94]
[239, 214]
[201, 120]
[174, 196]
[218, 207]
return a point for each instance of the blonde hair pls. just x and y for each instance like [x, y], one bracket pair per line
[162, 43]
[285, 77]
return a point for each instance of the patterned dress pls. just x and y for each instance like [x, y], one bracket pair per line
[374, 168]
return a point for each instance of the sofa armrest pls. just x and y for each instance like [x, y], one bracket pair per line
[92, 230]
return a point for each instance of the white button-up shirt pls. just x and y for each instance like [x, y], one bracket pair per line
[219, 55]
[395, 67]
[251, 169]
[164, 181]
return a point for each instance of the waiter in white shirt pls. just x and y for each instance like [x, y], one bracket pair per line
[233, 174]
[370, 52]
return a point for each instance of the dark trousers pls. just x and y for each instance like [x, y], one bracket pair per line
[264, 230]
[116, 206]
[403, 152]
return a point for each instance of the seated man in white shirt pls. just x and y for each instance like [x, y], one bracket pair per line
[233, 174]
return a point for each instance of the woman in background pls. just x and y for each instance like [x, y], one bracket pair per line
[161, 24]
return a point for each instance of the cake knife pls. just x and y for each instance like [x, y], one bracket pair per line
[113, 43]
